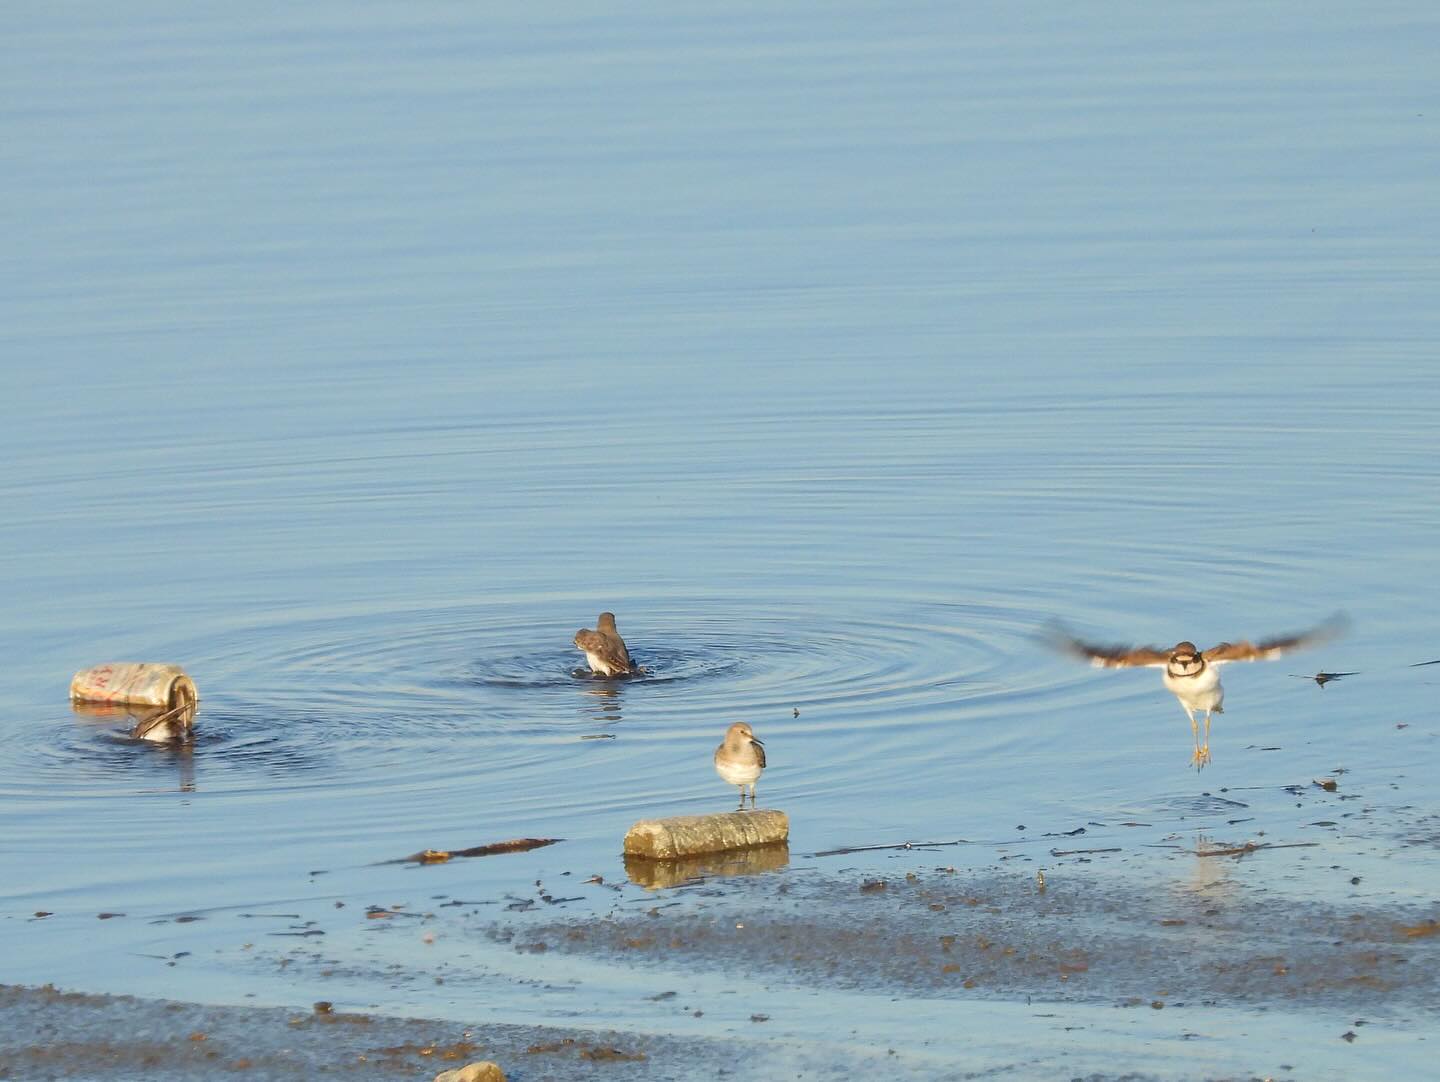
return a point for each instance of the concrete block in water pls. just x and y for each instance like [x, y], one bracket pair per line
[688, 835]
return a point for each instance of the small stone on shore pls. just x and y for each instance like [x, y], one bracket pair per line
[484, 1071]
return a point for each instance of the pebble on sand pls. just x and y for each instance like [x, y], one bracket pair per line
[484, 1071]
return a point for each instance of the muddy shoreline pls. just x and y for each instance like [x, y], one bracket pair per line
[52, 1034]
[1076, 935]
[1081, 972]
[1282, 932]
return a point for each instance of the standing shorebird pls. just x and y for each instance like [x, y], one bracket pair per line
[740, 759]
[604, 648]
[1192, 675]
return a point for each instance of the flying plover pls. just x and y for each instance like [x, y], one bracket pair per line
[1193, 675]
[605, 649]
[740, 759]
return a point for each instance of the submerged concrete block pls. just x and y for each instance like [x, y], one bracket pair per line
[655, 874]
[688, 835]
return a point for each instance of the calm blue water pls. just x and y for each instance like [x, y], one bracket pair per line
[354, 358]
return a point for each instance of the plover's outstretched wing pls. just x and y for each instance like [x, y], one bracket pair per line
[1274, 647]
[1108, 657]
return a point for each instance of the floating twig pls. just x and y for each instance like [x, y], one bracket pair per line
[1418, 931]
[1078, 852]
[1252, 847]
[898, 845]
[439, 856]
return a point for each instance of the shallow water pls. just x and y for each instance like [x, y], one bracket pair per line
[357, 359]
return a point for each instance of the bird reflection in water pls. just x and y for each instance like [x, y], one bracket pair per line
[602, 703]
[1206, 879]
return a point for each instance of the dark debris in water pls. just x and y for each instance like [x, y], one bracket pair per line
[1323, 678]
[440, 856]
[1251, 847]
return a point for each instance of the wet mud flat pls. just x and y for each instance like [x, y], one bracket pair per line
[1074, 935]
[50, 1034]
[1295, 898]
[1271, 941]
[920, 971]
[1281, 932]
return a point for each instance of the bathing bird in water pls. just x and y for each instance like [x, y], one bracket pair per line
[167, 724]
[1191, 675]
[605, 649]
[740, 759]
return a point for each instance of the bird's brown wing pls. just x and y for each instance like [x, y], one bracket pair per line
[603, 647]
[1108, 657]
[618, 660]
[759, 753]
[1248, 651]
[615, 648]
[1274, 647]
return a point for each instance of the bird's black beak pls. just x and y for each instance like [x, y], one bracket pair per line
[757, 740]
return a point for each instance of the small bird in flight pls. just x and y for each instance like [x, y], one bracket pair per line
[605, 649]
[740, 759]
[1193, 675]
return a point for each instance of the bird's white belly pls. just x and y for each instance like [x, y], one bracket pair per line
[1199, 692]
[598, 664]
[738, 773]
